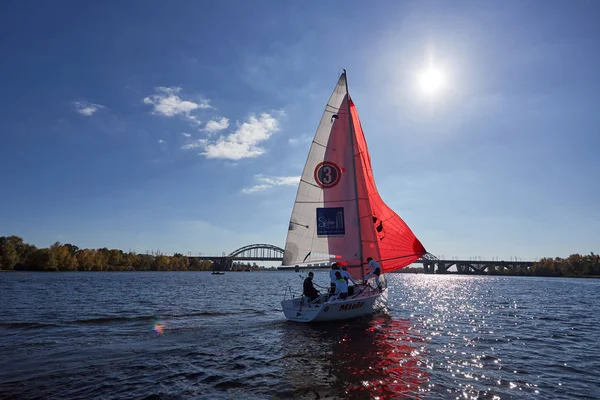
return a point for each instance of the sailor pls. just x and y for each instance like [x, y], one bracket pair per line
[346, 275]
[341, 287]
[309, 289]
[375, 271]
[334, 269]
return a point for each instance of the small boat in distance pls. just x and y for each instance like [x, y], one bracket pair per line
[338, 216]
[218, 273]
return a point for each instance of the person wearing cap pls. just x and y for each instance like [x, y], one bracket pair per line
[376, 271]
[346, 275]
[309, 289]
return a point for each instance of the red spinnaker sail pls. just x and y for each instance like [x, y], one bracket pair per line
[384, 235]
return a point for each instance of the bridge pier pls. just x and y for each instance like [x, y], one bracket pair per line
[462, 268]
[443, 267]
[429, 268]
[480, 270]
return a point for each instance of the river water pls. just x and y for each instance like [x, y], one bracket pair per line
[180, 335]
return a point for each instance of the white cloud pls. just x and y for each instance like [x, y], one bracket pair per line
[299, 140]
[256, 188]
[195, 144]
[85, 108]
[213, 126]
[268, 182]
[161, 141]
[168, 103]
[186, 134]
[194, 119]
[243, 143]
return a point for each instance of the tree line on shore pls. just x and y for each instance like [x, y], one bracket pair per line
[17, 255]
[574, 265]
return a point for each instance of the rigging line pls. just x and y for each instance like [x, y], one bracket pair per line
[387, 218]
[310, 183]
[365, 286]
[322, 145]
[325, 201]
[295, 223]
[352, 135]
[359, 293]
[368, 215]
[330, 201]
[318, 261]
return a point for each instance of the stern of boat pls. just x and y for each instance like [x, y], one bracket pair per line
[300, 309]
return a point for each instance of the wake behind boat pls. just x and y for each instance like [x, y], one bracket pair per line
[338, 216]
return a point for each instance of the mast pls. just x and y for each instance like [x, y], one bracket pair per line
[362, 271]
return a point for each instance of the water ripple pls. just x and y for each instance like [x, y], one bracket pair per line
[189, 335]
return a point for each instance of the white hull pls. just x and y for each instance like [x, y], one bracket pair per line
[366, 303]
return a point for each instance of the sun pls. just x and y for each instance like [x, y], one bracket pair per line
[431, 81]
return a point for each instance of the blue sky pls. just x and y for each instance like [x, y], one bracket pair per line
[181, 126]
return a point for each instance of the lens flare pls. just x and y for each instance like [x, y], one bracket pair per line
[159, 328]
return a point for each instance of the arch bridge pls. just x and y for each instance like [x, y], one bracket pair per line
[252, 252]
[258, 252]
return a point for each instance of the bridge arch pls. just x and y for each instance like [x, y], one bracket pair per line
[256, 251]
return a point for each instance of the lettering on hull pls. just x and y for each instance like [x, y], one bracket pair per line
[345, 307]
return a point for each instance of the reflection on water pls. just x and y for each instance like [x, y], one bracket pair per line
[379, 357]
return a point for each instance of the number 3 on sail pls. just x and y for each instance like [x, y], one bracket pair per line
[327, 174]
[339, 216]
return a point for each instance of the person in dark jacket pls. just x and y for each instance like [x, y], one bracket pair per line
[309, 288]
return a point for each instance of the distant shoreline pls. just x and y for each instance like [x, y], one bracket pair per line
[267, 270]
[17, 255]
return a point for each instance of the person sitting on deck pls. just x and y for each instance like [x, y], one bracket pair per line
[309, 289]
[346, 275]
[341, 287]
[376, 271]
[334, 268]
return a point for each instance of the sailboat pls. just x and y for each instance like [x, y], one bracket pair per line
[338, 216]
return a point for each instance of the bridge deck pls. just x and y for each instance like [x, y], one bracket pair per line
[462, 266]
[267, 252]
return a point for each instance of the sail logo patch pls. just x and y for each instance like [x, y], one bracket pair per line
[330, 221]
[327, 174]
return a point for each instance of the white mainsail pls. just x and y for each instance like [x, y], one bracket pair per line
[324, 225]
